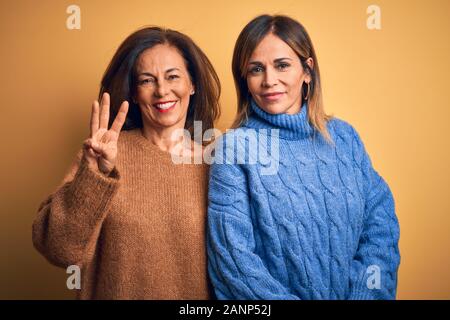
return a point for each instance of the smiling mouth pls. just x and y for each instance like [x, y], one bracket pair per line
[164, 106]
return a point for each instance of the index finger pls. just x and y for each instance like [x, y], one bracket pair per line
[120, 118]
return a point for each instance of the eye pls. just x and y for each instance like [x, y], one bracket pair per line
[283, 66]
[173, 76]
[146, 81]
[256, 69]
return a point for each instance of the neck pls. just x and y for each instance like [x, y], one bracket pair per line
[291, 126]
[167, 138]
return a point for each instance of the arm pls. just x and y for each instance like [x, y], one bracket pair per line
[378, 251]
[236, 271]
[68, 222]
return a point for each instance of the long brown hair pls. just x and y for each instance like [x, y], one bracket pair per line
[120, 79]
[295, 35]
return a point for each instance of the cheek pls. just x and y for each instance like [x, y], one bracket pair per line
[144, 95]
[253, 84]
[182, 90]
[294, 81]
[184, 97]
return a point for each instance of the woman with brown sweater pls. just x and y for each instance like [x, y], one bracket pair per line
[131, 218]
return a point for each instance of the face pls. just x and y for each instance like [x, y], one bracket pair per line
[275, 76]
[164, 87]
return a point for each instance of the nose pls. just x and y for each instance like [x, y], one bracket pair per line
[270, 78]
[162, 89]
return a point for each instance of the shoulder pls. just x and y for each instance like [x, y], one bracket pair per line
[226, 153]
[133, 140]
[340, 128]
[127, 135]
[126, 138]
[342, 131]
[346, 139]
[239, 134]
[227, 141]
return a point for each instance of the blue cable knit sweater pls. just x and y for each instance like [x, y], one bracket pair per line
[323, 226]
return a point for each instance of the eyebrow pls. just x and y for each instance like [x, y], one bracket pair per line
[151, 75]
[276, 60]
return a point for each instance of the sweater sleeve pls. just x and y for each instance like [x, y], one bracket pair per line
[375, 264]
[68, 222]
[235, 270]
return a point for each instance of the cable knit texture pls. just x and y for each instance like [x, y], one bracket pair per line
[138, 233]
[321, 227]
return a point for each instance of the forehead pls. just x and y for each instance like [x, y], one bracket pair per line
[270, 48]
[160, 58]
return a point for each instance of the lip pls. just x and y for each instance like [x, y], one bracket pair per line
[174, 102]
[272, 96]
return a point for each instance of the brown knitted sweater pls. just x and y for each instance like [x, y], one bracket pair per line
[138, 233]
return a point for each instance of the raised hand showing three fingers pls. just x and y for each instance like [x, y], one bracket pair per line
[100, 150]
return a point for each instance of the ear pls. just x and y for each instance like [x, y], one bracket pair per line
[310, 63]
[192, 89]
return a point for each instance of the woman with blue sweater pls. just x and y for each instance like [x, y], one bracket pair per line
[321, 223]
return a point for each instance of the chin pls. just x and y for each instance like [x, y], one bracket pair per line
[168, 119]
[274, 108]
[168, 122]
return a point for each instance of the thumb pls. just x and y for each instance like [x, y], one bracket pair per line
[98, 147]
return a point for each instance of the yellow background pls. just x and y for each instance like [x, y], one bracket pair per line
[391, 84]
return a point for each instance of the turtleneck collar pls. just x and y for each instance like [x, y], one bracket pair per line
[291, 127]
